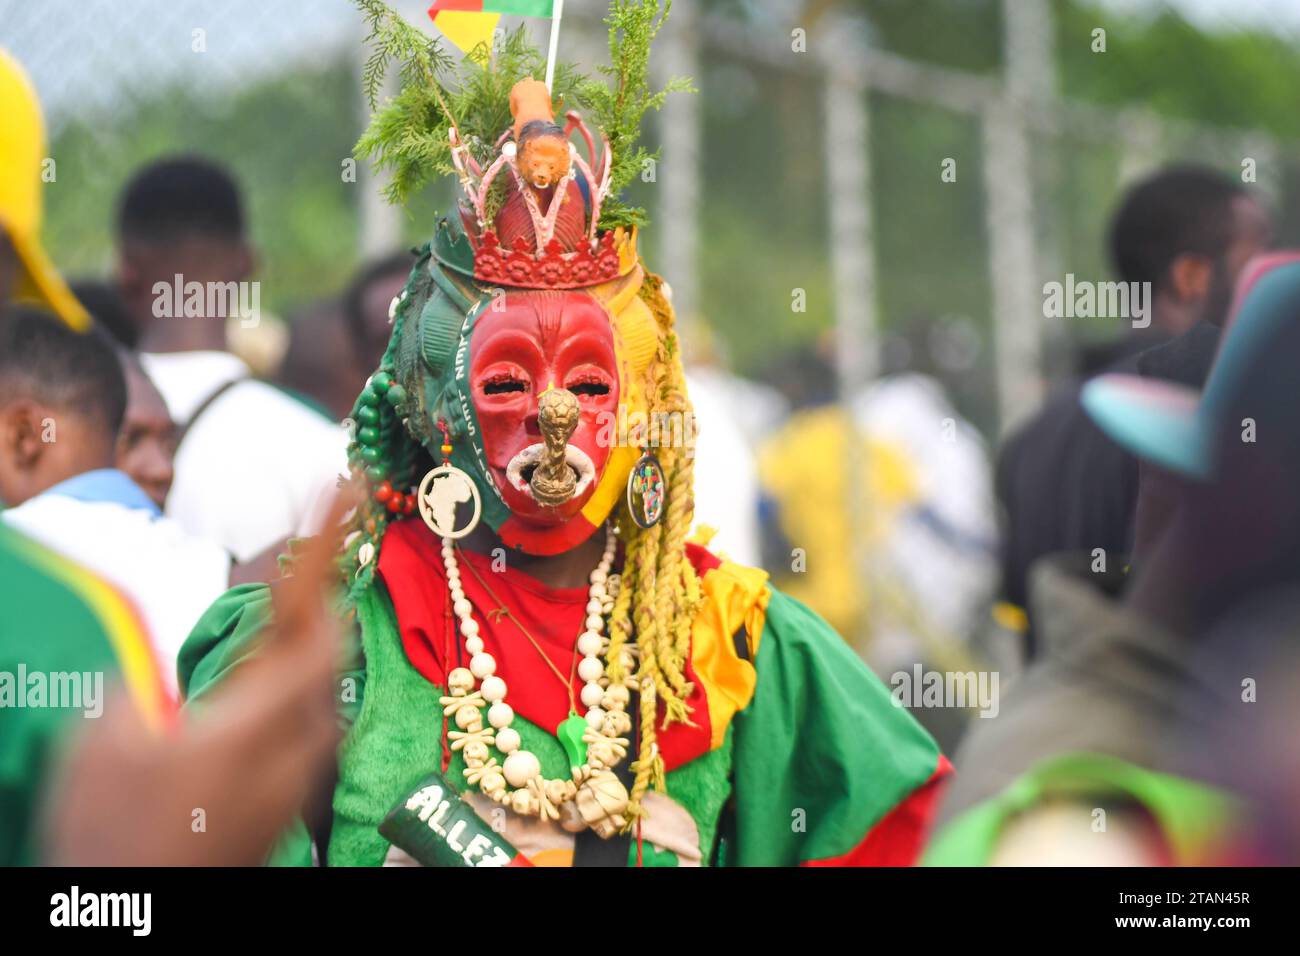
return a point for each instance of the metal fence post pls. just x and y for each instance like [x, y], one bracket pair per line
[1008, 179]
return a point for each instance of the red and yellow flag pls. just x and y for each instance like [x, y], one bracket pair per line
[467, 23]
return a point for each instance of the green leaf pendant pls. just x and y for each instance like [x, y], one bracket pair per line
[570, 734]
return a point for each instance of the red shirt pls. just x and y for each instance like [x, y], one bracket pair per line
[411, 566]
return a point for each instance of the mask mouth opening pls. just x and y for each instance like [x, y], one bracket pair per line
[520, 470]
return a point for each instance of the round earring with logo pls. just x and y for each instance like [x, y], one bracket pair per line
[646, 491]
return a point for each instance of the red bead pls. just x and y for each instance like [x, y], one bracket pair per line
[384, 491]
[397, 502]
[410, 505]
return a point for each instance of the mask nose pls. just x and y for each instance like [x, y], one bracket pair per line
[554, 481]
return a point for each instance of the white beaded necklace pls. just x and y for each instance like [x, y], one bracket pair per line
[599, 796]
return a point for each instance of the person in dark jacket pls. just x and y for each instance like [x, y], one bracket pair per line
[1099, 754]
[1063, 485]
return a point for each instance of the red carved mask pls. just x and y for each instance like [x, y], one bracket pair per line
[520, 346]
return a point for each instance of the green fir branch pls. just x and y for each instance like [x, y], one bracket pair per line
[408, 135]
[421, 57]
[618, 107]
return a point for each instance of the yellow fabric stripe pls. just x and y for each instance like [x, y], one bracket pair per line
[636, 342]
[734, 596]
[122, 626]
[613, 484]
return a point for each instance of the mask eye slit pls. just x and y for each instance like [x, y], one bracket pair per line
[588, 385]
[503, 382]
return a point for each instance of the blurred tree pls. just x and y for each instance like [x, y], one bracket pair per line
[1233, 78]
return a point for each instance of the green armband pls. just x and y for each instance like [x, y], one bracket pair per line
[437, 828]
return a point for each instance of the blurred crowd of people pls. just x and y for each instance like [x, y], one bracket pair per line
[1129, 553]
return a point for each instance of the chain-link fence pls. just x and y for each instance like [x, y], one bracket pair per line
[917, 170]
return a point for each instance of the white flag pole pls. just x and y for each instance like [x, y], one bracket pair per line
[555, 42]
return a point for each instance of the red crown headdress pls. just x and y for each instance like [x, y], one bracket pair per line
[543, 237]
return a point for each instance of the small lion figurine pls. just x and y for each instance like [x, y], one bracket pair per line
[543, 152]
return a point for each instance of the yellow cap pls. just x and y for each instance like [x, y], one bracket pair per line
[22, 151]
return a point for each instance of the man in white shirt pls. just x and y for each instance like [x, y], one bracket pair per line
[254, 466]
[62, 400]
